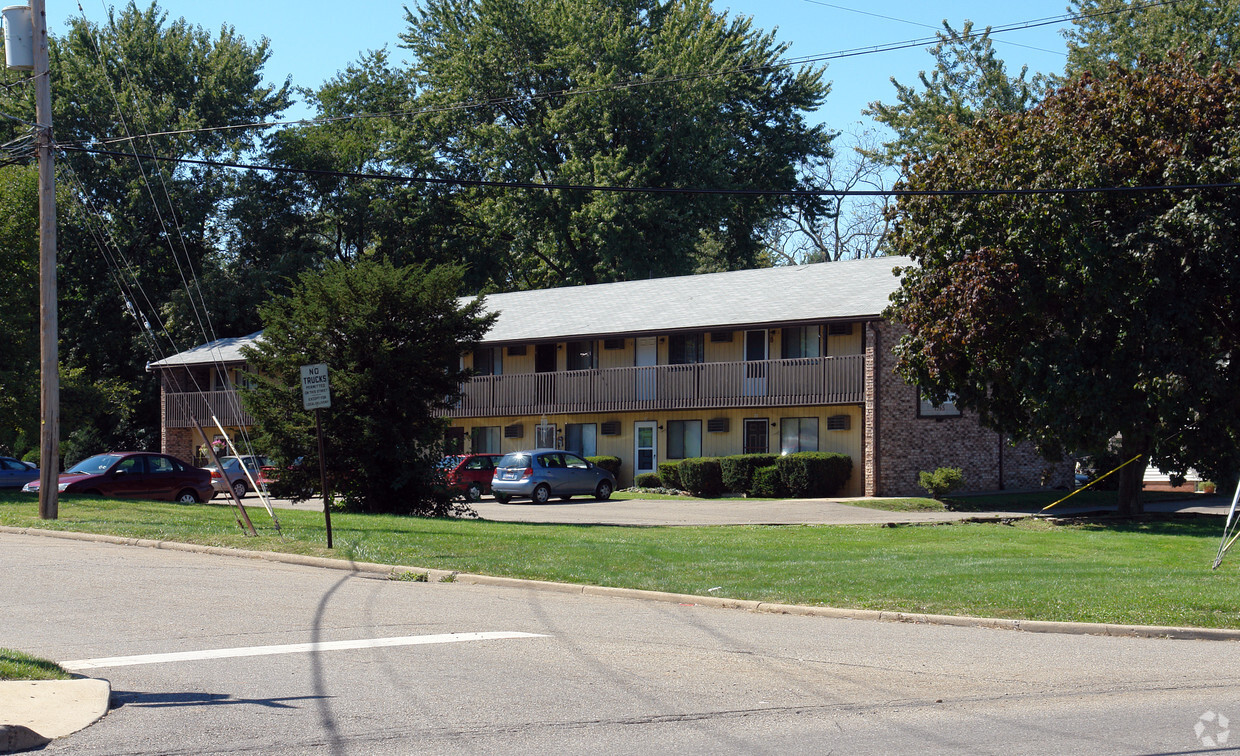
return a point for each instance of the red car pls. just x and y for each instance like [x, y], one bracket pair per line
[138, 475]
[471, 473]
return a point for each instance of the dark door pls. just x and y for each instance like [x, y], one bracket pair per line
[454, 441]
[756, 441]
[544, 358]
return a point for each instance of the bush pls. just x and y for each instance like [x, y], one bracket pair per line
[611, 464]
[669, 473]
[701, 476]
[738, 470]
[814, 474]
[767, 483]
[942, 481]
[648, 480]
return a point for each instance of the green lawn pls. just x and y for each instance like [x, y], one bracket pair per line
[1150, 572]
[14, 665]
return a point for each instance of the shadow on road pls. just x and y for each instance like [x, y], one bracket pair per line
[161, 700]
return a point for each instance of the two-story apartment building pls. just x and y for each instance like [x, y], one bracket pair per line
[772, 360]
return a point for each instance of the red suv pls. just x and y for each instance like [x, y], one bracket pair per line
[470, 473]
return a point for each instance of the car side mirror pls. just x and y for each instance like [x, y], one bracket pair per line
[119, 473]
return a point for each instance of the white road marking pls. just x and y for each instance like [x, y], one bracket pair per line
[292, 648]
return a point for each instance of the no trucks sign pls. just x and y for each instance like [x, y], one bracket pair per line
[315, 390]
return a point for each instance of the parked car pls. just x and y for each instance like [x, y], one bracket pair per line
[14, 473]
[139, 475]
[470, 473]
[539, 474]
[234, 477]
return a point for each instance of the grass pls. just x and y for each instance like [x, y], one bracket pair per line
[14, 665]
[1133, 572]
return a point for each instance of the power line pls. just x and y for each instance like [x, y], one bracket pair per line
[482, 183]
[636, 83]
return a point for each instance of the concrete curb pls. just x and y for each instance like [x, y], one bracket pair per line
[387, 571]
[34, 712]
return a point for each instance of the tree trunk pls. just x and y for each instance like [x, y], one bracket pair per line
[1131, 477]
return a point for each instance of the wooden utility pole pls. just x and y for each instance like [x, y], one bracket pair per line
[49, 435]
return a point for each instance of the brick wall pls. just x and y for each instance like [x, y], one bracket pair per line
[900, 444]
[179, 442]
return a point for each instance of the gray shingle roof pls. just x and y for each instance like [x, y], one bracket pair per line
[847, 290]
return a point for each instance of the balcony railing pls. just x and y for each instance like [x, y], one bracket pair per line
[766, 383]
[181, 410]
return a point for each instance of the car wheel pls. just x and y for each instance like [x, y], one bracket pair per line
[187, 497]
[541, 495]
[502, 499]
[603, 492]
[474, 493]
[239, 489]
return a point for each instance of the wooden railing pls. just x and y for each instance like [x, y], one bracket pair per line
[767, 383]
[181, 410]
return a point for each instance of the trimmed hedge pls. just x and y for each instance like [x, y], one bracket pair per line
[814, 474]
[701, 476]
[611, 464]
[738, 470]
[767, 483]
[669, 473]
[648, 480]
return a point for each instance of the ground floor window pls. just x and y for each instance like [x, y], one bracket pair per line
[798, 434]
[579, 438]
[684, 439]
[484, 440]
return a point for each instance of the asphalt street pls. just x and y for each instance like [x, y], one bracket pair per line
[560, 673]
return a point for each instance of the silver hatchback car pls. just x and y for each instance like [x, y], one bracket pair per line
[539, 474]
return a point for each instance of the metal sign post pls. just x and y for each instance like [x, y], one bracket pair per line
[316, 395]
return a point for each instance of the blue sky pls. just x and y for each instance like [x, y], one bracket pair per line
[313, 39]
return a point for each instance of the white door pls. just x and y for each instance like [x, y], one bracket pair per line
[756, 353]
[647, 356]
[645, 447]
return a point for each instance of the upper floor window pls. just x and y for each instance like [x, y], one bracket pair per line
[685, 349]
[800, 341]
[488, 361]
[580, 355]
[926, 408]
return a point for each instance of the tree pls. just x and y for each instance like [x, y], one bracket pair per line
[635, 93]
[968, 83]
[19, 318]
[1071, 319]
[1121, 31]
[392, 339]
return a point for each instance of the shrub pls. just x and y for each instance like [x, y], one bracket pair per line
[669, 473]
[942, 481]
[701, 476]
[648, 480]
[738, 470]
[814, 474]
[611, 464]
[767, 483]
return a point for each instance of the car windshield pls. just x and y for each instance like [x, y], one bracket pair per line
[515, 460]
[95, 464]
[449, 463]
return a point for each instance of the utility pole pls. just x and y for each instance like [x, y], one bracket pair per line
[49, 435]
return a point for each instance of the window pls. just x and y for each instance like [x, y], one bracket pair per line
[926, 408]
[157, 465]
[580, 355]
[244, 380]
[516, 351]
[798, 434]
[685, 349]
[684, 439]
[484, 440]
[579, 438]
[488, 361]
[613, 343]
[801, 341]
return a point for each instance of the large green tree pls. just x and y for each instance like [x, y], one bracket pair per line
[391, 337]
[19, 317]
[1075, 319]
[1119, 32]
[627, 93]
[138, 73]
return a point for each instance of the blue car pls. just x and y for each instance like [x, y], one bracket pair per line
[539, 474]
[14, 473]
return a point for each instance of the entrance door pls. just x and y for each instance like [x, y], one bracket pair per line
[645, 447]
[647, 356]
[756, 353]
[756, 438]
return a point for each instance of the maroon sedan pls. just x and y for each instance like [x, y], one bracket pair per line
[137, 475]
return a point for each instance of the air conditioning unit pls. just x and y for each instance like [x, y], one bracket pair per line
[516, 430]
[839, 423]
[611, 428]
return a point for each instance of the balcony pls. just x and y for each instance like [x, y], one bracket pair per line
[766, 383]
[180, 410]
